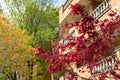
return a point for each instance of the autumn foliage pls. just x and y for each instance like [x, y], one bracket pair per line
[95, 41]
[14, 52]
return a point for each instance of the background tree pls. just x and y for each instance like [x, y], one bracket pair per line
[38, 17]
[14, 52]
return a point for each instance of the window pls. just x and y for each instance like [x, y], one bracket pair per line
[65, 41]
[73, 33]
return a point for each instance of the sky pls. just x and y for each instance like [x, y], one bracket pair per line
[58, 3]
[2, 2]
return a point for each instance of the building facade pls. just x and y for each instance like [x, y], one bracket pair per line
[99, 9]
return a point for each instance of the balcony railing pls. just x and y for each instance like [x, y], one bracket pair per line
[106, 65]
[66, 4]
[101, 9]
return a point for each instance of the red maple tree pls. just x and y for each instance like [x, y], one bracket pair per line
[91, 46]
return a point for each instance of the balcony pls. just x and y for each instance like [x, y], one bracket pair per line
[101, 9]
[107, 64]
[65, 11]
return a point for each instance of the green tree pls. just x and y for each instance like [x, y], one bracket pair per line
[38, 17]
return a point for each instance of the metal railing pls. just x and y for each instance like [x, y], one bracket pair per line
[107, 64]
[101, 9]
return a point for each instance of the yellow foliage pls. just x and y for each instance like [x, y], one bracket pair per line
[14, 48]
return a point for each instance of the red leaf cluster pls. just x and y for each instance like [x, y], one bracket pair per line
[91, 46]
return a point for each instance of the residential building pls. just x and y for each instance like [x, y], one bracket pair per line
[99, 9]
